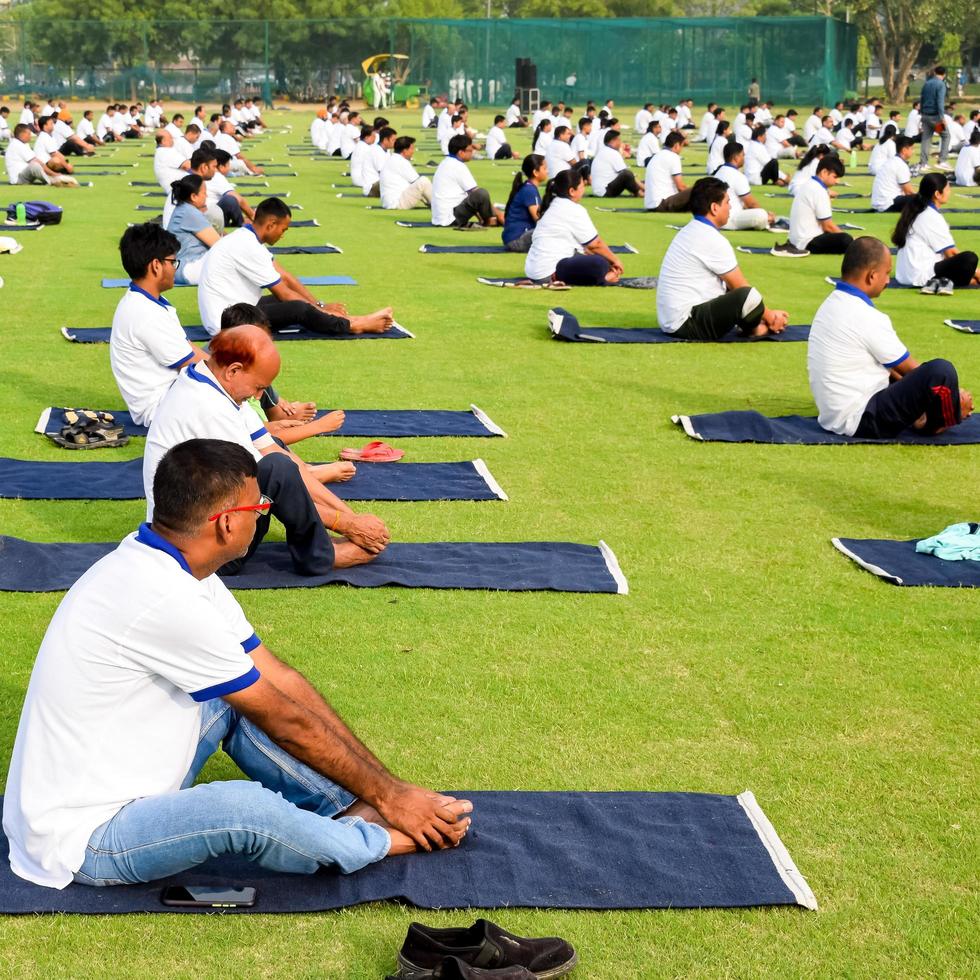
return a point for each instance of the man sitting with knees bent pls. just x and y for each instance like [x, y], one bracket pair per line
[147, 667]
[862, 377]
[811, 224]
[239, 267]
[207, 401]
[701, 292]
[456, 198]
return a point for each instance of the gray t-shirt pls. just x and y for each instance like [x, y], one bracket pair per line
[185, 222]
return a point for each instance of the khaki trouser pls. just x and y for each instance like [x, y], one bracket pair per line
[416, 195]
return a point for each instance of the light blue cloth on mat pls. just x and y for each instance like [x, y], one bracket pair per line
[958, 542]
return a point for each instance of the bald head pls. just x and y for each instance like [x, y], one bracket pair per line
[164, 138]
[244, 361]
[867, 264]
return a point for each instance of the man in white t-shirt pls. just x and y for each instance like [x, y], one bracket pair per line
[147, 345]
[892, 185]
[968, 162]
[189, 141]
[761, 167]
[239, 267]
[225, 140]
[706, 129]
[24, 166]
[514, 117]
[456, 198]
[169, 164]
[497, 147]
[86, 129]
[664, 188]
[560, 156]
[27, 115]
[368, 138]
[701, 292]
[609, 172]
[375, 160]
[401, 186]
[745, 213]
[778, 140]
[429, 113]
[862, 377]
[146, 668]
[5, 124]
[643, 118]
[811, 224]
[47, 147]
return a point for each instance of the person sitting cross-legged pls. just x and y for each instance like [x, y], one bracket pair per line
[665, 188]
[745, 212]
[609, 172]
[239, 267]
[148, 666]
[24, 166]
[863, 379]
[208, 401]
[701, 292]
[402, 188]
[456, 198]
[811, 223]
[497, 146]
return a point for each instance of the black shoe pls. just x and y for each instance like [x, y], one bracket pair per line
[485, 945]
[453, 968]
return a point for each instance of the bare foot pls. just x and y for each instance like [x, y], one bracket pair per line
[403, 844]
[333, 472]
[612, 277]
[377, 322]
[919, 423]
[346, 554]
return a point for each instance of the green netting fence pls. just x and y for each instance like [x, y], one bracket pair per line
[796, 59]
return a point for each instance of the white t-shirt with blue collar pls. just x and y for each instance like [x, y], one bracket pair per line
[811, 205]
[113, 708]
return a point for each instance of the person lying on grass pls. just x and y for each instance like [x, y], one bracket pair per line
[147, 667]
[209, 401]
[239, 267]
[863, 379]
[702, 294]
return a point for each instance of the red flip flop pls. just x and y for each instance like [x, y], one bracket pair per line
[373, 452]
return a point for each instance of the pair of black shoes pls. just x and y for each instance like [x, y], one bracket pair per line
[484, 951]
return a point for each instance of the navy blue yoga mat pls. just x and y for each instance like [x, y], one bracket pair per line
[28, 479]
[262, 194]
[532, 566]
[305, 280]
[872, 211]
[898, 563]
[197, 334]
[895, 284]
[305, 250]
[964, 227]
[624, 210]
[382, 423]
[5, 228]
[804, 431]
[564, 326]
[416, 224]
[964, 326]
[566, 850]
[762, 250]
[522, 282]
[838, 197]
[626, 249]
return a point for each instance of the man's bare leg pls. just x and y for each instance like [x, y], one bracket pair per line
[333, 472]
[377, 322]
[403, 844]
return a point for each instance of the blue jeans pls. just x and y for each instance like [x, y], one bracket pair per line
[285, 820]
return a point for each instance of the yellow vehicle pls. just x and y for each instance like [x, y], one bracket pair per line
[396, 91]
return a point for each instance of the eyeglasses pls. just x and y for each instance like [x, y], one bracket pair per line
[264, 504]
[174, 262]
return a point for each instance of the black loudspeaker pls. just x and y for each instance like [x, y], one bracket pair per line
[525, 73]
[531, 75]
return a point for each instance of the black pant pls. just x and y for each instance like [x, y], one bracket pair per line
[290, 313]
[960, 269]
[711, 320]
[681, 201]
[476, 204]
[310, 547]
[899, 203]
[796, 140]
[829, 243]
[932, 389]
[583, 270]
[504, 152]
[91, 141]
[231, 209]
[625, 180]
[68, 149]
[770, 172]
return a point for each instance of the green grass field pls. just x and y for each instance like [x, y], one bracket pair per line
[748, 654]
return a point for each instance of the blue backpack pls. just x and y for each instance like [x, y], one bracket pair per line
[38, 212]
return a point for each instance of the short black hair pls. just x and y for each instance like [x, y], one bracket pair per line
[862, 253]
[198, 478]
[707, 191]
[498, 119]
[831, 163]
[141, 244]
[242, 315]
[403, 143]
[273, 207]
[222, 156]
[612, 134]
[386, 132]
[202, 155]
[901, 142]
[673, 139]
[732, 150]
[459, 143]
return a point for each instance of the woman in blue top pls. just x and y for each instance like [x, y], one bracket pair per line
[192, 229]
[524, 204]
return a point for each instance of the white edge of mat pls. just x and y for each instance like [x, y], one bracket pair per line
[957, 326]
[592, 338]
[408, 333]
[68, 335]
[612, 563]
[340, 251]
[487, 421]
[554, 322]
[788, 871]
[42, 422]
[494, 486]
[866, 565]
[684, 421]
[631, 249]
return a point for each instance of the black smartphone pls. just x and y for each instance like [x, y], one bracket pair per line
[208, 897]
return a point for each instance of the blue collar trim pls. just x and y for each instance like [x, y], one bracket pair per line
[704, 221]
[934, 208]
[819, 181]
[160, 301]
[254, 232]
[195, 375]
[146, 535]
[846, 287]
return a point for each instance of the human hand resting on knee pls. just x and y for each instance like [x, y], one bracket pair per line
[775, 320]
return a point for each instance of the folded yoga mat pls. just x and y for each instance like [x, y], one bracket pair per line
[262, 194]
[626, 249]
[197, 334]
[564, 326]
[381, 423]
[531, 566]
[306, 280]
[964, 326]
[898, 563]
[837, 197]
[27, 479]
[626, 210]
[801, 430]
[327, 249]
[894, 284]
[555, 850]
[103, 173]
[872, 211]
[762, 250]
[240, 183]
[520, 282]
[964, 227]
[4, 229]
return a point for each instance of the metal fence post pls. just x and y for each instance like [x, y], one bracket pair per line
[267, 87]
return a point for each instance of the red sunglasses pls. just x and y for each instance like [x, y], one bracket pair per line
[264, 504]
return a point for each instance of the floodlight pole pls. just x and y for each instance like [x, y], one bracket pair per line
[267, 87]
